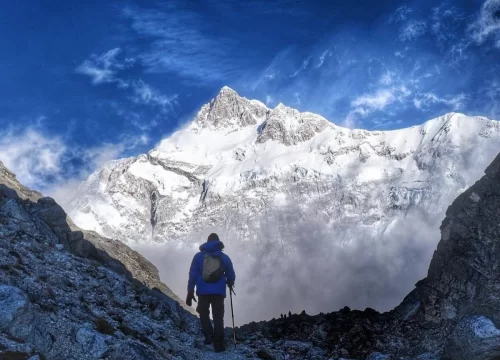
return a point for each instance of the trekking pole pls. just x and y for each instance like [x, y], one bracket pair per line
[231, 292]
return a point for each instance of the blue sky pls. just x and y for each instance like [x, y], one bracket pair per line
[88, 81]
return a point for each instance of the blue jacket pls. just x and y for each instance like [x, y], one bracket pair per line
[213, 248]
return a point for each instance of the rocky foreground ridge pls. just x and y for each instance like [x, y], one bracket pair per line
[62, 296]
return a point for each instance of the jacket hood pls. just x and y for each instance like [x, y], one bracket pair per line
[212, 247]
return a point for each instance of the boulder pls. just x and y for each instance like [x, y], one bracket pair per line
[475, 338]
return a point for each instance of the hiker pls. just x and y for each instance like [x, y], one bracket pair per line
[211, 270]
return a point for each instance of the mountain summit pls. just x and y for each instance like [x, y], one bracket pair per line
[228, 111]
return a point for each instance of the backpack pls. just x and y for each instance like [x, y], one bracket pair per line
[212, 268]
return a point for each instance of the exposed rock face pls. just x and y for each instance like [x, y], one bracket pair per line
[474, 338]
[464, 277]
[229, 111]
[288, 126]
[9, 179]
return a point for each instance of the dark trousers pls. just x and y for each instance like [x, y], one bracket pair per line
[215, 333]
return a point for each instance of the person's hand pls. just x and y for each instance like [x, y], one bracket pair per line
[230, 285]
[190, 298]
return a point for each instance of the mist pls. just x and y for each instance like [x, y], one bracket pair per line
[318, 258]
[298, 263]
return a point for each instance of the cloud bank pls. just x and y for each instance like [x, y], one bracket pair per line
[302, 264]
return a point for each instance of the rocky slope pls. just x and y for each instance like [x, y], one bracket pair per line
[140, 268]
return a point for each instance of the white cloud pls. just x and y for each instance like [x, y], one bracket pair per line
[422, 101]
[302, 67]
[351, 121]
[178, 43]
[373, 102]
[33, 157]
[269, 100]
[379, 100]
[400, 14]
[445, 23]
[412, 30]
[488, 23]
[322, 58]
[103, 68]
[387, 78]
[279, 64]
[146, 94]
[46, 163]
[297, 98]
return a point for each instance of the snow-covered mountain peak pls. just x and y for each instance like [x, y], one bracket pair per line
[227, 89]
[229, 111]
[289, 126]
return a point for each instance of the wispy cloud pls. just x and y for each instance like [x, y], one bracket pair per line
[488, 23]
[178, 44]
[302, 67]
[401, 14]
[33, 157]
[111, 66]
[270, 101]
[445, 23]
[380, 100]
[387, 78]
[352, 78]
[103, 68]
[44, 161]
[372, 102]
[323, 57]
[412, 30]
[145, 94]
[423, 101]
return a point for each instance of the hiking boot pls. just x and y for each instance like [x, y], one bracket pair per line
[219, 348]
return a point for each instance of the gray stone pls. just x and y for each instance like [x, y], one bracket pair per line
[14, 305]
[91, 341]
[378, 356]
[428, 356]
[475, 338]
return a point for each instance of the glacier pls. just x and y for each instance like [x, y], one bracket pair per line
[299, 199]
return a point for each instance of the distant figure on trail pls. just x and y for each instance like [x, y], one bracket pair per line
[211, 270]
